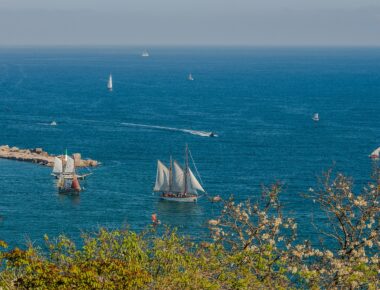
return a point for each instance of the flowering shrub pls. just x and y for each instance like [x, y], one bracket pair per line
[252, 246]
[353, 230]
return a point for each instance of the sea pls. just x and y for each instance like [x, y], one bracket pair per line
[258, 100]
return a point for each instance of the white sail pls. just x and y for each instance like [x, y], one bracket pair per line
[193, 184]
[376, 152]
[57, 169]
[162, 178]
[109, 85]
[69, 168]
[178, 183]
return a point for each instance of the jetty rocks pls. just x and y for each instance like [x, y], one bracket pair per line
[39, 156]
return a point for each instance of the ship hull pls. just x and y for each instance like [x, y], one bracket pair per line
[80, 177]
[69, 186]
[68, 191]
[191, 198]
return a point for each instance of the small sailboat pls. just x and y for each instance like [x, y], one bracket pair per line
[68, 167]
[145, 53]
[68, 181]
[109, 84]
[54, 123]
[69, 186]
[61, 165]
[190, 77]
[177, 183]
[316, 117]
[375, 154]
[60, 168]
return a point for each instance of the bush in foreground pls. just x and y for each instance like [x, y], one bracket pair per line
[252, 245]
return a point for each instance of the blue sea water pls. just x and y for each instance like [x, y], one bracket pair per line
[258, 100]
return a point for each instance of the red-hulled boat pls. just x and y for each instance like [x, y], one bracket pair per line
[68, 182]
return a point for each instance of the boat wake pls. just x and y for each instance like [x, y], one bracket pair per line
[188, 131]
[43, 124]
[47, 124]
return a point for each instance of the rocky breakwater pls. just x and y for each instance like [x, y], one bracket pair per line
[40, 156]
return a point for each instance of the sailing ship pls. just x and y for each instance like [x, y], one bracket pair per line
[145, 53]
[63, 166]
[54, 123]
[375, 154]
[67, 181]
[316, 117]
[177, 183]
[190, 77]
[109, 84]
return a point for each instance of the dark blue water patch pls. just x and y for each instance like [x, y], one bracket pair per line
[258, 100]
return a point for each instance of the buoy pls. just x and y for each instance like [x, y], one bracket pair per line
[155, 220]
[216, 198]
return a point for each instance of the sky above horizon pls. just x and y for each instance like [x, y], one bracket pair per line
[196, 22]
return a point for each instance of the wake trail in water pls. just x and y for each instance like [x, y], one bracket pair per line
[188, 131]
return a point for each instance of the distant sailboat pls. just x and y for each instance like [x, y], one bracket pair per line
[190, 77]
[177, 183]
[63, 166]
[145, 53]
[375, 154]
[54, 123]
[109, 84]
[316, 117]
[68, 181]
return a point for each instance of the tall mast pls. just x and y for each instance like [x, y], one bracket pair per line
[171, 174]
[64, 159]
[74, 172]
[186, 167]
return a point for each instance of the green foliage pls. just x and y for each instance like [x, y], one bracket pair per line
[252, 246]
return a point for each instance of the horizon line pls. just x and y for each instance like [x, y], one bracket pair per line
[192, 45]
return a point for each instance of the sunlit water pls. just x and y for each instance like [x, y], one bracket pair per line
[258, 100]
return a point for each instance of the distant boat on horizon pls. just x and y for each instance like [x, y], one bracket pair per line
[109, 84]
[316, 117]
[177, 183]
[190, 77]
[145, 53]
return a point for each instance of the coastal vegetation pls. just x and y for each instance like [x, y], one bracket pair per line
[252, 245]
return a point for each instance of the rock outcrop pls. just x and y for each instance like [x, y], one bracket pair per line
[39, 156]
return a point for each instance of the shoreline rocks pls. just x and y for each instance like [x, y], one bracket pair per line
[39, 156]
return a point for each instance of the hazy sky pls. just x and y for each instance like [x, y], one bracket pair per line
[190, 22]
